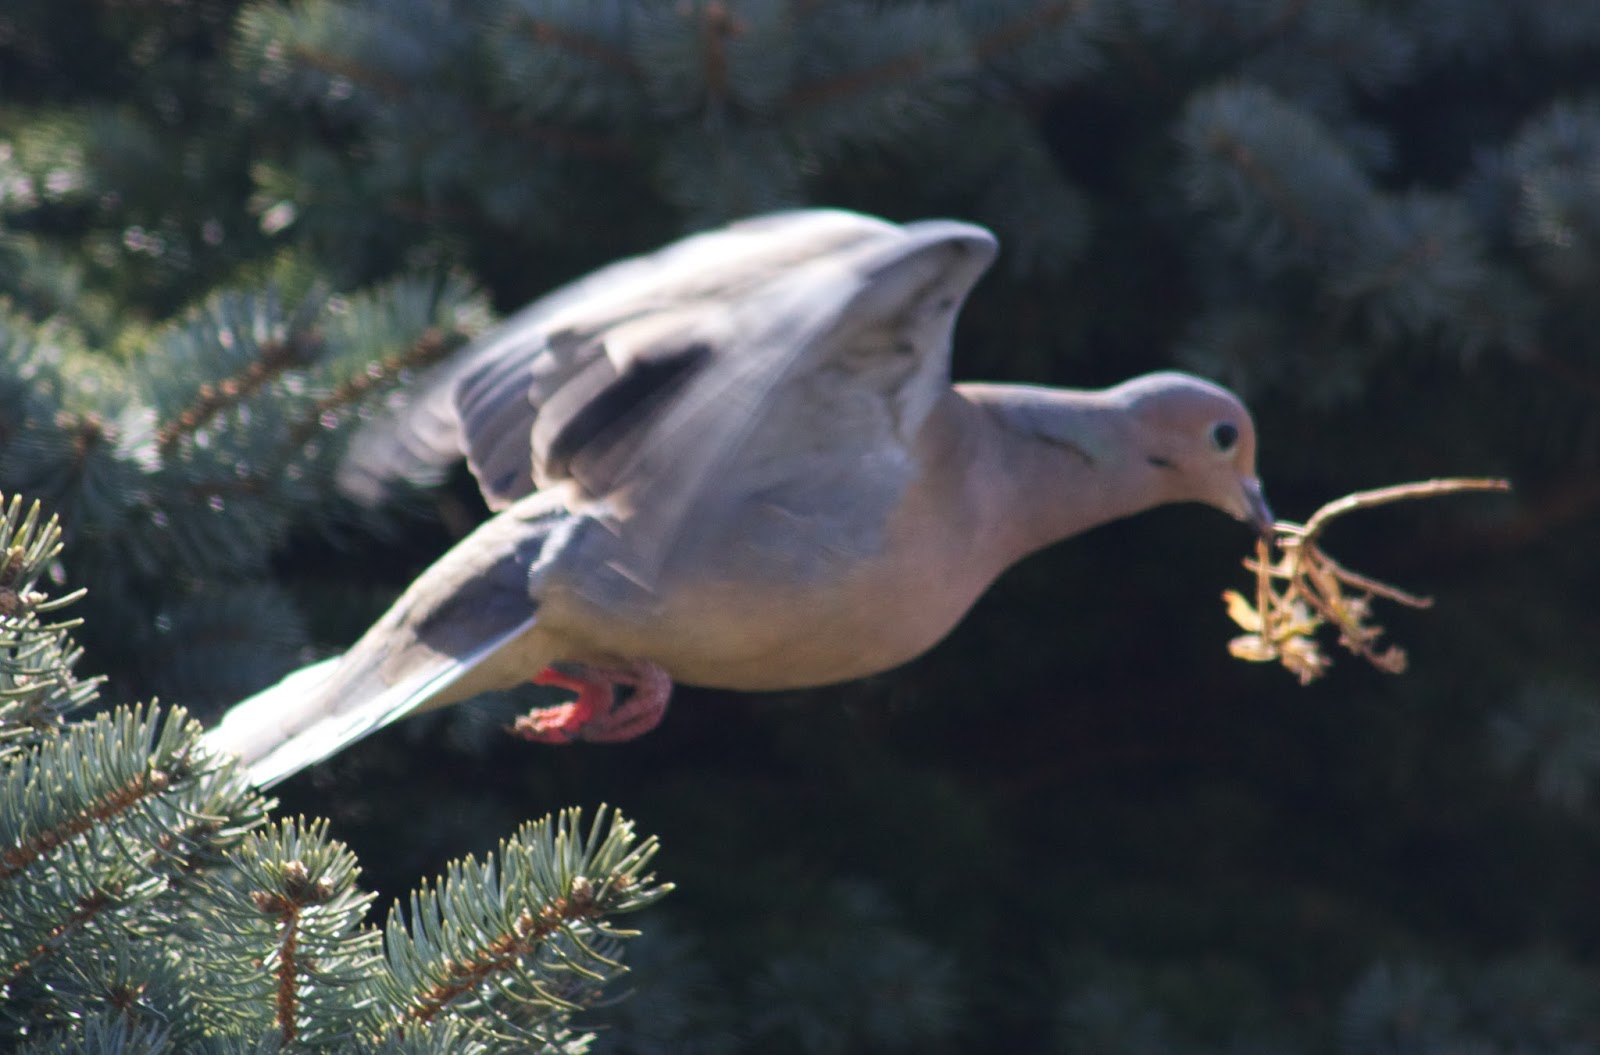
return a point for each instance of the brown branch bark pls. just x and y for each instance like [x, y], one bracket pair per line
[212, 399]
[151, 782]
[431, 347]
[527, 933]
[100, 900]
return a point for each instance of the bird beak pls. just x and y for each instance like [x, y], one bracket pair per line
[1254, 510]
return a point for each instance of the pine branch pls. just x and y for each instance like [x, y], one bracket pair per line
[295, 946]
[1279, 186]
[523, 935]
[546, 33]
[272, 359]
[287, 910]
[1027, 26]
[174, 854]
[120, 840]
[717, 26]
[101, 810]
[298, 894]
[431, 347]
[87, 907]
[527, 936]
[398, 91]
[122, 828]
[37, 689]
[892, 70]
[1266, 183]
[87, 433]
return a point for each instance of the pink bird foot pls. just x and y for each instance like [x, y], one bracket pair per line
[596, 715]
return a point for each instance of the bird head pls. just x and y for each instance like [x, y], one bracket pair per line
[1199, 441]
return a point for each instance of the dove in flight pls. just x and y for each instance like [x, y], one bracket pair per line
[737, 462]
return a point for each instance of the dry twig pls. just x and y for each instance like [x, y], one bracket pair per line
[1306, 589]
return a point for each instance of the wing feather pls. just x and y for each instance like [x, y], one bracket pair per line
[670, 383]
[772, 412]
[489, 392]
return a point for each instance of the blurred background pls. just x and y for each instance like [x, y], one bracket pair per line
[230, 232]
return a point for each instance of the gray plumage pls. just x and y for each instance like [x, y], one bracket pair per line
[740, 459]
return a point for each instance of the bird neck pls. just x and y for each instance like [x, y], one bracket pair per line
[1059, 462]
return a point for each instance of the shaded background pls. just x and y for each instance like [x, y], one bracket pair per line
[1077, 825]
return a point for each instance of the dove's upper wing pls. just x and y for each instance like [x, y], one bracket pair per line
[481, 403]
[723, 366]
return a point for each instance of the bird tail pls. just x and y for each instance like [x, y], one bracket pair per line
[289, 726]
[253, 727]
[317, 711]
[439, 643]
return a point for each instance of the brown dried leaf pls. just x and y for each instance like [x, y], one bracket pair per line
[1304, 588]
[1252, 648]
[1242, 611]
[1304, 659]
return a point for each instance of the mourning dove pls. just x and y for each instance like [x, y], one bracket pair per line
[738, 462]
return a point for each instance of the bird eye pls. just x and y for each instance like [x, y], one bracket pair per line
[1224, 435]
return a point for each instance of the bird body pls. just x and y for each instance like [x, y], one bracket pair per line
[752, 473]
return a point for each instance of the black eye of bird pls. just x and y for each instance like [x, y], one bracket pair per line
[1224, 435]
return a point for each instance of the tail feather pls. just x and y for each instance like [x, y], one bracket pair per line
[438, 644]
[318, 711]
[254, 725]
[298, 722]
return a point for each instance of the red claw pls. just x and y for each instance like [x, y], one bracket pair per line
[596, 715]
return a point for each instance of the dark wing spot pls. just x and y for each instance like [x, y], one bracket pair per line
[624, 400]
[489, 594]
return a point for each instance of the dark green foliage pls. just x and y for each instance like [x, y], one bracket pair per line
[146, 905]
[230, 231]
[182, 466]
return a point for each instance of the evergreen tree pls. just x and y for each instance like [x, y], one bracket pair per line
[229, 232]
[147, 905]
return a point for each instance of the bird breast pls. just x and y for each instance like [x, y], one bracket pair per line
[782, 603]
